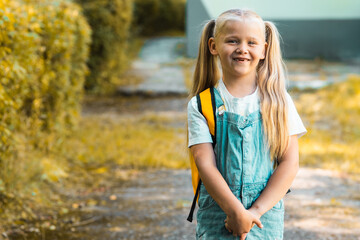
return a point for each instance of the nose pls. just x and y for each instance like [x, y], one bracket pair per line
[242, 49]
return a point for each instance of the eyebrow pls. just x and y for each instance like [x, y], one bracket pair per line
[235, 36]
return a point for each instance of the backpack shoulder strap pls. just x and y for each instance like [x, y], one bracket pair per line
[207, 107]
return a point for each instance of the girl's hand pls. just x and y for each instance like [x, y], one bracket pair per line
[241, 223]
[256, 214]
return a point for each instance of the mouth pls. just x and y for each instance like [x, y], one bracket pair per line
[239, 59]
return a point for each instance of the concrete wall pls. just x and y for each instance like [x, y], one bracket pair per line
[328, 29]
[328, 39]
[196, 16]
[285, 9]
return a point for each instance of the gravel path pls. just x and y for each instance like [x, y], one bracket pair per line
[323, 205]
[155, 204]
[157, 67]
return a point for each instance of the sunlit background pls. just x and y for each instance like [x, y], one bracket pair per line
[93, 98]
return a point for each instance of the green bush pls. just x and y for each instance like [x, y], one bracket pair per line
[110, 22]
[43, 53]
[153, 17]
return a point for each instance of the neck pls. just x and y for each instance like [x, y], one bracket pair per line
[240, 86]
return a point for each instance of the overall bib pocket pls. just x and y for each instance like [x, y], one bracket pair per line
[205, 200]
[251, 192]
[279, 206]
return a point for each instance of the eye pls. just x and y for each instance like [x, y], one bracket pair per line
[233, 41]
[252, 43]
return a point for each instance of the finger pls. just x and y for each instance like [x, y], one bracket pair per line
[228, 228]
[258, 223]
[243, 236]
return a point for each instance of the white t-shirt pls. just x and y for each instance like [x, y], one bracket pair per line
[199, 130]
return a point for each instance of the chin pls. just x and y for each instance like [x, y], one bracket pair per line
[241, 73]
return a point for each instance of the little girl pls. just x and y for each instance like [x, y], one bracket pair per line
[245, 175]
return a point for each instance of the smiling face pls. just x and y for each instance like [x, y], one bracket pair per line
[240, 45]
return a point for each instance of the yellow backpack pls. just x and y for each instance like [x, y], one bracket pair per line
[207, 107]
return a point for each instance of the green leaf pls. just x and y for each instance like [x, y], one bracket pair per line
[6, 19]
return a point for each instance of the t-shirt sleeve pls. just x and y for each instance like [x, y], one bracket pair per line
[295, 124]
[197, 126]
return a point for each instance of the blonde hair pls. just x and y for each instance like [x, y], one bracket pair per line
[270, 78]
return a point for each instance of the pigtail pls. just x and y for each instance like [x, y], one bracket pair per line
[271, 82]
[206, 71]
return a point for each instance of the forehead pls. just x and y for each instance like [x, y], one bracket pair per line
[243, 27]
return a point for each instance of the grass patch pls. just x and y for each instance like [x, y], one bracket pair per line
[188, 67]
[134, 142]
[332, 117]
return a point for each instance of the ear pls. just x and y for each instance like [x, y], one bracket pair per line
[212, 46]
[264, 51]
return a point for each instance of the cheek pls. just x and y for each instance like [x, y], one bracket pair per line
[260, 53]
[225, 54]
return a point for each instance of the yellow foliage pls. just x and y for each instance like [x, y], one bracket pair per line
[44, 46]
[332, 116]
[101, 170]
[335, 202]
[132, 143]
[51, 170]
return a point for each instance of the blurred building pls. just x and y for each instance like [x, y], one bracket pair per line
[328, 29]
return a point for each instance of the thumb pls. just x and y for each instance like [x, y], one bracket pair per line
[258, 222]
[243, 236]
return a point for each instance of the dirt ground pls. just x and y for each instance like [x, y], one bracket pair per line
[154, 205]
[322, 205]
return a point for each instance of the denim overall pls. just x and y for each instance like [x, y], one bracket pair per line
[244, 162]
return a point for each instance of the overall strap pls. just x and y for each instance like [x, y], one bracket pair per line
[207, 107]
